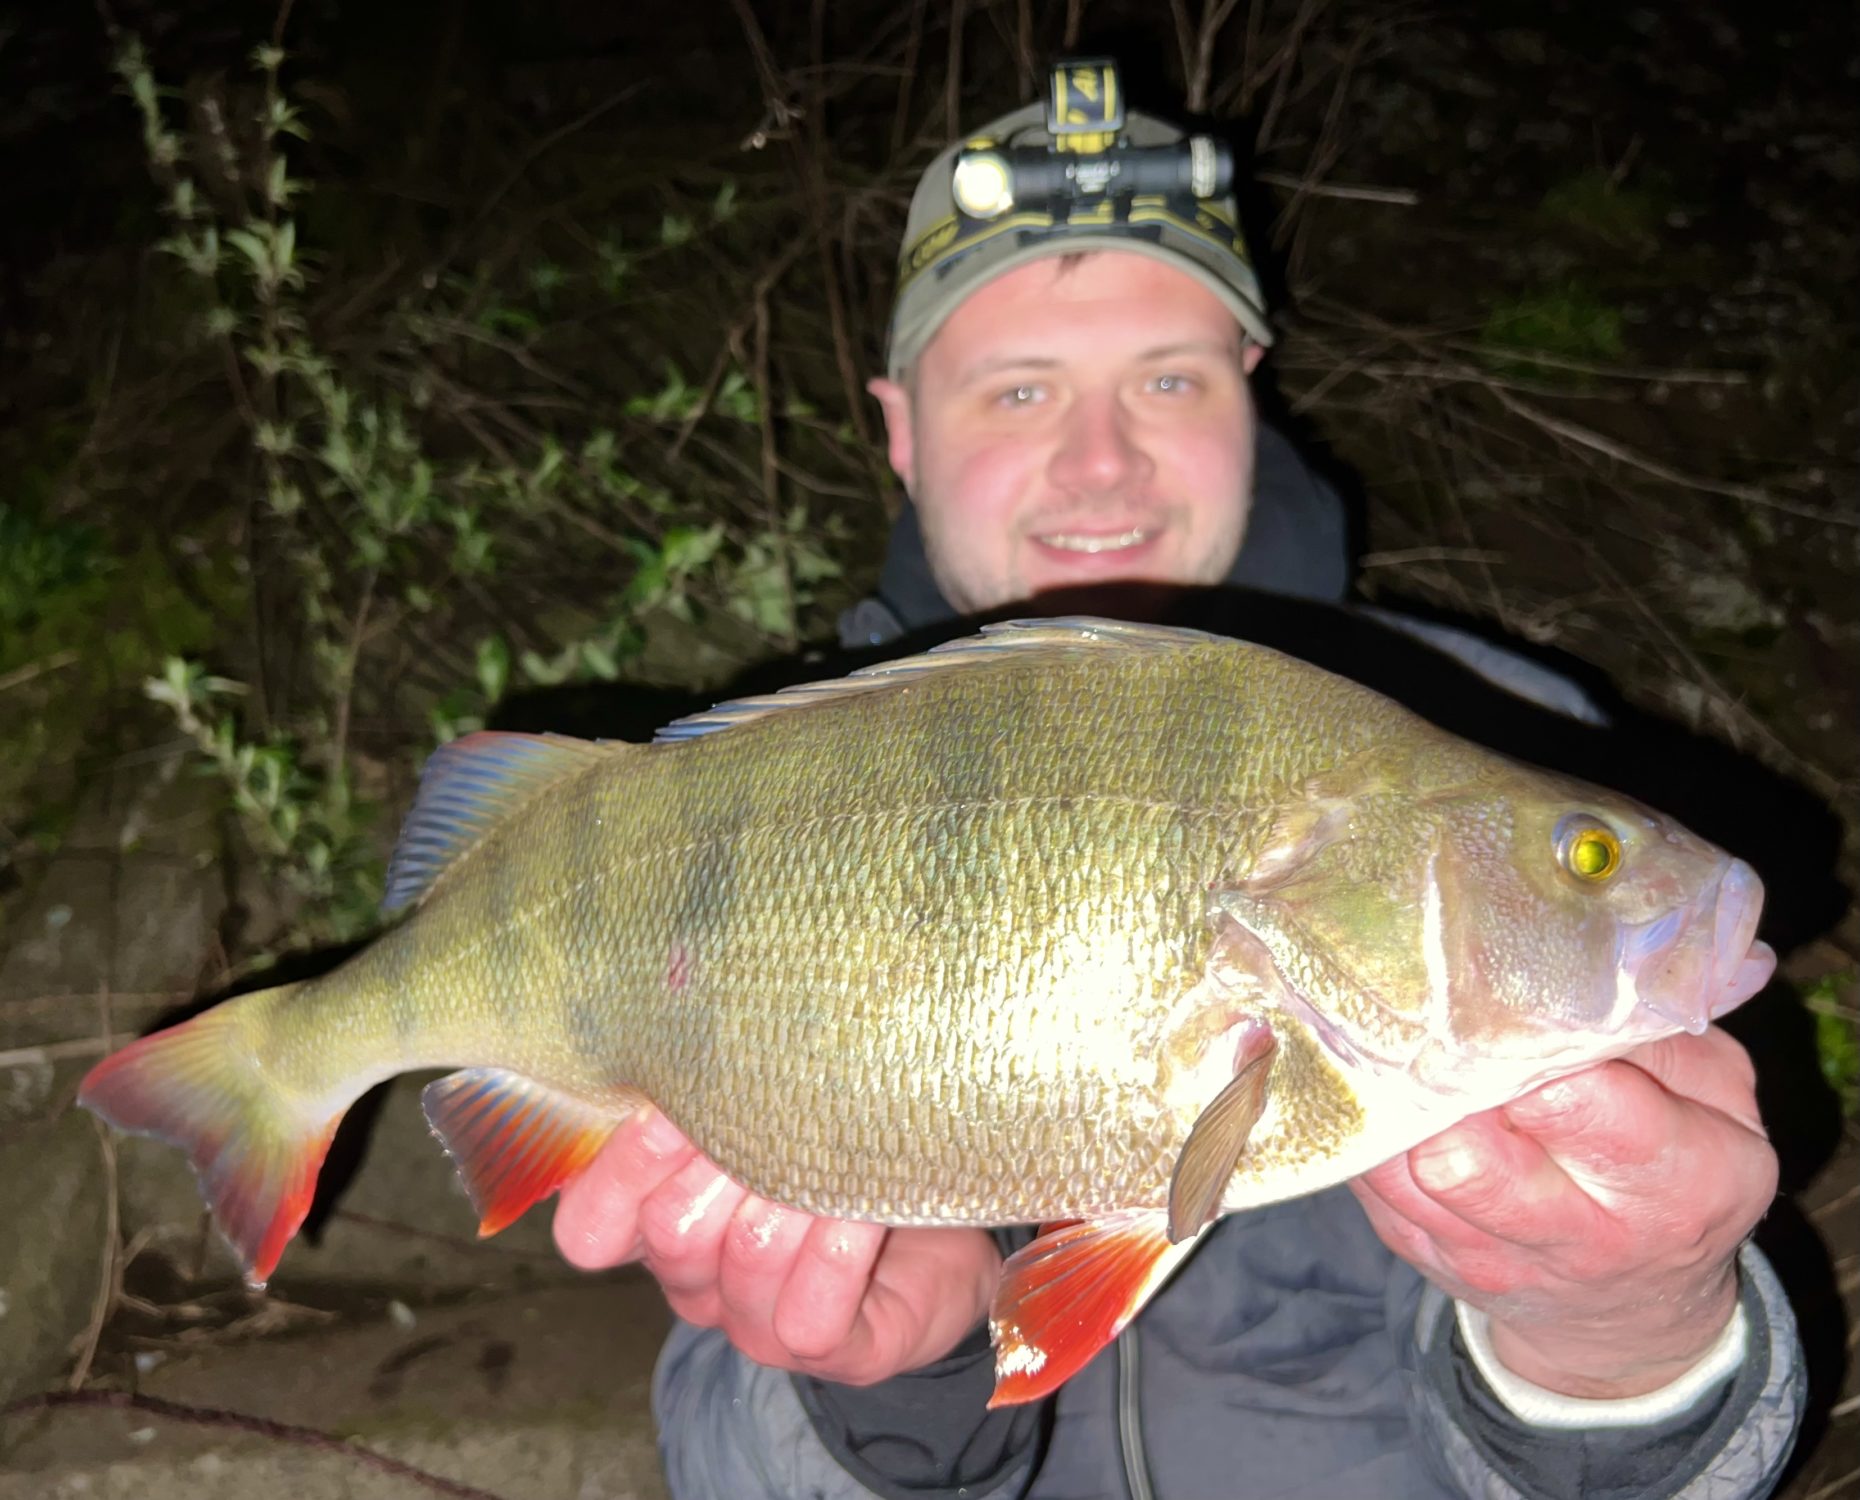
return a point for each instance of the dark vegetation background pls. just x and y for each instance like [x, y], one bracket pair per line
[374, 372]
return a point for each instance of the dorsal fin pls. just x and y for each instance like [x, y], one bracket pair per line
[467, 788]
[1009, 640]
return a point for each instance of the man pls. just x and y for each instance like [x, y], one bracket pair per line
[1547, 1300]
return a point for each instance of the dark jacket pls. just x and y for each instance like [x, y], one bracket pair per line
[1294, 1356]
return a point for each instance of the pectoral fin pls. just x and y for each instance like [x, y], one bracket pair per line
[1071, 1292]
[1213, 1147]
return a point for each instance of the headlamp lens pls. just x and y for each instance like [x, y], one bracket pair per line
[982, 186]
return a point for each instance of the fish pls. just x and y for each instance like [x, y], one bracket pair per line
[1110, 928]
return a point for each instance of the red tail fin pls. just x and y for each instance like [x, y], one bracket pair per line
[198, 1087]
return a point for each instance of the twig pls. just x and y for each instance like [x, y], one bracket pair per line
[1306, 187]
[339, 741]
[1410, 555]
[771, 479]
[476, 1247]
[524, 163]
[1255, 14]
[900, 121]
[56, 662]
[732, 340]
[952, 80]
[1198, 62]
[1730, 705]
[1284, 64]
[58, 1002]
[24, 1057]
[1586, 437]
[1610, 372]
[1834, 1486]
[1023, 46]
[1835, 1203]
[458, 328]
[110, 1260]
[1290, 225]
[284, 1432]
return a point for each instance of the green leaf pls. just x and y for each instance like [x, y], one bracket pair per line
[252, 248]
[599, 659]
[280, 186]
[688, 548]
[493, 667]
[547, 673]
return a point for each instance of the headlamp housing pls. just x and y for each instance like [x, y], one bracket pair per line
[1089, 158]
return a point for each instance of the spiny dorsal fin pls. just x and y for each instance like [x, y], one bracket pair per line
[1010, 640]
[468, 787]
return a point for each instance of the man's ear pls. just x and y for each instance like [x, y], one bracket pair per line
[1251, 355]
[900, 436]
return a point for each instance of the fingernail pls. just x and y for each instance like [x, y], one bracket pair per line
[1448, 1164]
[660, 1134]
[1554, 1098]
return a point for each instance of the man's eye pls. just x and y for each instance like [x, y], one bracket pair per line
[1172, 385]
[1021, 395]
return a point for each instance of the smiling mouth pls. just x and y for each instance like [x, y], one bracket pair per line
[1091, 543]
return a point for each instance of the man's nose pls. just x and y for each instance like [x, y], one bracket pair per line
[1098, 452]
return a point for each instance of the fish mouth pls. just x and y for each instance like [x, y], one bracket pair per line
[1702, 961]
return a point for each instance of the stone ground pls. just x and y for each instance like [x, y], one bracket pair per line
[541, 1395]
[389, 1333]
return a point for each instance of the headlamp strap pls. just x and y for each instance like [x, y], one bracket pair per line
[1085, 105]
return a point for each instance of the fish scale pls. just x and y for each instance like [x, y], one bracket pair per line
[1072, 921]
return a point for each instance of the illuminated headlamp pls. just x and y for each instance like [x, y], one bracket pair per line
[1089, 158]
[983, 183]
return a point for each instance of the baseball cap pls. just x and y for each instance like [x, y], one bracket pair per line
[947, 253]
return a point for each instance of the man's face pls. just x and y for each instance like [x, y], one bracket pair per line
[1077, 424]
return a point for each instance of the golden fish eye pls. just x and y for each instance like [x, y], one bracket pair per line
[1588, 848]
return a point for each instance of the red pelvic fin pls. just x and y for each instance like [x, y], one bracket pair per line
[195, 1086]
[513, 1140]
[1071, 1292]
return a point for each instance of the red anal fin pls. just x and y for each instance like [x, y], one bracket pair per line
[1071, 1292]
[514, 1141]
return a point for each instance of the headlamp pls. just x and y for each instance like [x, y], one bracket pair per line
[983, 183]
[1089, 159]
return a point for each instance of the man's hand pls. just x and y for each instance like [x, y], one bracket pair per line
[1595, 1220]
[855, 1303]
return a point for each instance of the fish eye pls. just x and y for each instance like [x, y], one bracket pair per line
[1587, 847]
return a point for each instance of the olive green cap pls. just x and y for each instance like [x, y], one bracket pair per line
[947, 255]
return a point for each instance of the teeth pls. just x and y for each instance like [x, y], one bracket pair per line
[1072, 541]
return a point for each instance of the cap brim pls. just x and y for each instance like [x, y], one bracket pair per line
[910, 340]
